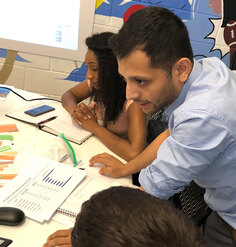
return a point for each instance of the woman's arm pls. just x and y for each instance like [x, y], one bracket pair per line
[137, 131]
[73, 96]
[127, 149]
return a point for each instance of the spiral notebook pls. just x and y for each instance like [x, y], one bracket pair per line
[67, 212]
[69, 209]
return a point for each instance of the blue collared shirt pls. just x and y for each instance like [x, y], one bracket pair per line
[202, 142]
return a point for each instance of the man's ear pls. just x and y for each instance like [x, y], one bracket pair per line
[183, 68]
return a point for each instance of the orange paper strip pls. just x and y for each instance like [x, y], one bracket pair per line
[7, 176]
[8, 128]
[9, 153]
[5, 162]
[7, 157]
[2, 167]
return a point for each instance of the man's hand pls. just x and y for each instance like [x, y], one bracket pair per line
[59, 238]
[113, 167]
[85, 116]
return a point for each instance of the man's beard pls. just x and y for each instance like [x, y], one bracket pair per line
[156, 109]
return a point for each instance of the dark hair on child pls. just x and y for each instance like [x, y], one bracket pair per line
[111, 86]
[127, 217]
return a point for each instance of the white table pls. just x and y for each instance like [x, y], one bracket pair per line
[30, 141]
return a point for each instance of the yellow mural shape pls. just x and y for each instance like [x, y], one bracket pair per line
[98, 3]
[7, 66]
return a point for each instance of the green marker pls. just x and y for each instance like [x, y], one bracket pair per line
[71, 150]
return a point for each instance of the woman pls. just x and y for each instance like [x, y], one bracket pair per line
[119, 123]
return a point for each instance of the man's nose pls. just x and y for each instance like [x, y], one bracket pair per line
[131, 91]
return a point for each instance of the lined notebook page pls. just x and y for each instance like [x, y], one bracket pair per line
[65, 124]
[66, 213]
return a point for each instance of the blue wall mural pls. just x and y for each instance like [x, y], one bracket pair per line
[3, 53]
[206, 22]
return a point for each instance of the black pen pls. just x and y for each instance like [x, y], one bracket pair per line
[47, 120]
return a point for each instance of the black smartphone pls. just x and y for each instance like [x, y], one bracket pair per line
[34, 112]
[4, 242]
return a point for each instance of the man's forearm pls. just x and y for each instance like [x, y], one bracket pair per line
[147, 156]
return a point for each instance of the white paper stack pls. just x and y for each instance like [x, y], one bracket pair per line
[41, 188]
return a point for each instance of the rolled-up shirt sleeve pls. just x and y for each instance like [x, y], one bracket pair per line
[197, 139]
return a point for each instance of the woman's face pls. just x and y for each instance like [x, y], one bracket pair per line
[92, 65]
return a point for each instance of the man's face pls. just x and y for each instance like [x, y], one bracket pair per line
[151, 88]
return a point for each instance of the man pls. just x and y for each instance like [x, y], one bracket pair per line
[113, 218]
[155, 58]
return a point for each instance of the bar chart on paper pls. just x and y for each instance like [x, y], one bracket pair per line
[41, 188]
[55, 181]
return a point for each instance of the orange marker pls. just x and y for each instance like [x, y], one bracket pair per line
[7, 176]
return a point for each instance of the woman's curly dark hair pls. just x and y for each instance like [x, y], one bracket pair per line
[111, 86]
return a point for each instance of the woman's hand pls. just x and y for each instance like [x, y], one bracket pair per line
[85, 116]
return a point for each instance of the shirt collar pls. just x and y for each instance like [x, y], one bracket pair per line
[197, 68]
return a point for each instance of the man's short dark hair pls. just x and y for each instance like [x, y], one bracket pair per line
[158, 32]
[126, 217]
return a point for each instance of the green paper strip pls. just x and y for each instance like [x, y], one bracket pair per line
[4, 148]
[6, 137]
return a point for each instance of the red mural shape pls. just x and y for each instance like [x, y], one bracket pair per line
[131, 10]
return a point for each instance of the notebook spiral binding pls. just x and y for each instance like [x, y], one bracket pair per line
[66, 212]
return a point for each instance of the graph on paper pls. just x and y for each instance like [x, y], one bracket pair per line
[41, 188]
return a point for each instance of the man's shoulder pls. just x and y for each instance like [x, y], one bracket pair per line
[211, 60]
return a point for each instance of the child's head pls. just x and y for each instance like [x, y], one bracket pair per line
[108, 85]
[122, 216]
